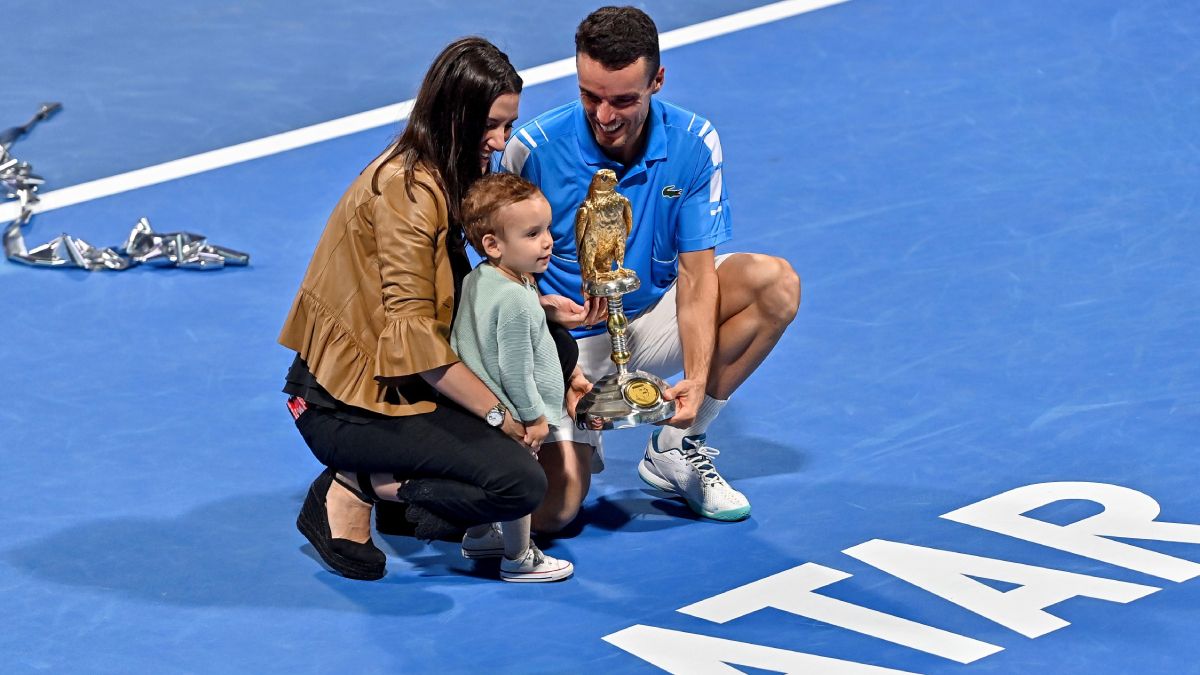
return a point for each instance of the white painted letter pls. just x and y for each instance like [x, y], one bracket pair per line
[678, 652]
[792, 591]
[948, 574]
[1127, 513]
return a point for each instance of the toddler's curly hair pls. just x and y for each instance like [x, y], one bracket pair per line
[487, 196]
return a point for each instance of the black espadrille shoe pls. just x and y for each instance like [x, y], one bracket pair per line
[348, 558]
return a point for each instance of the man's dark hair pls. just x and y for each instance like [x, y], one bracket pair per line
[618, 36]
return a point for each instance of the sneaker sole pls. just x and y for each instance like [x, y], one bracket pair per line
[314, 533]
[557, 575]
[479, 554]
[659, 483]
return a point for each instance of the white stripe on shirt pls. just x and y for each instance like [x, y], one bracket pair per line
[716, 182]
[514, 157]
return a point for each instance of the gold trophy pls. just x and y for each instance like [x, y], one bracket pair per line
[625, 398]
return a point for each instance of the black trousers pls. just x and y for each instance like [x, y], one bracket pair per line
[460, 470]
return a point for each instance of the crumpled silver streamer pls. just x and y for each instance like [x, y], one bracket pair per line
[172, 249]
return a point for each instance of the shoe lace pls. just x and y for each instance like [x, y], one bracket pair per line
[538, 556]
[699, 454]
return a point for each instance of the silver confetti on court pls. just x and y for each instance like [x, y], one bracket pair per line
[143, 245]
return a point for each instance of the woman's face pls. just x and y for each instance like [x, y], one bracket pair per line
[500, 120]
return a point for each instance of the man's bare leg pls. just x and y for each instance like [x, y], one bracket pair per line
[568, 468]
[760, 295]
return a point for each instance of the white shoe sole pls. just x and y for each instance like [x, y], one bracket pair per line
[535, 577]
[482, 553]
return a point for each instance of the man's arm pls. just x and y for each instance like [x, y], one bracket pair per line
[703, 224]
[696, 301]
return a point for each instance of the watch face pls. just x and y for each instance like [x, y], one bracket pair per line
[495, 417]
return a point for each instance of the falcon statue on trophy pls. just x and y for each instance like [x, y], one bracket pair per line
[602, 223]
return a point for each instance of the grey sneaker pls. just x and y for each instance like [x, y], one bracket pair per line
[490, 545]
[535, 566]
[689, 473]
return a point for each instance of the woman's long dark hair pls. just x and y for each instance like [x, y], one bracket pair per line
[449, 118]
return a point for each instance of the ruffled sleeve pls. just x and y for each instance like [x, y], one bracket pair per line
[413, 344]
[410, 235]
[335, 357]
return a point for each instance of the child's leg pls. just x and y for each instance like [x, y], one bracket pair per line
[516, 537]
[523, 562]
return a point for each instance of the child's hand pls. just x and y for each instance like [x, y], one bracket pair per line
[535, 432]
[576, 389]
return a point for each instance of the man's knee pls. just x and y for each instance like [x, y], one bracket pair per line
[554, 517]
[782, 298]
[771, 283]
[567, 467]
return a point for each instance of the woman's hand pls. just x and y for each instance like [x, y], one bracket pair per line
[459, 384]
[564, 311]
[535, 433]
[514, 430]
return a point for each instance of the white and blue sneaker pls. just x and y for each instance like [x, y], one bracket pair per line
[689, 473]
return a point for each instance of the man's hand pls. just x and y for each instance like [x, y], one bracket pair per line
[576, 388]
[564, 311]
[688, 395]
[597, 310]
[535, 432]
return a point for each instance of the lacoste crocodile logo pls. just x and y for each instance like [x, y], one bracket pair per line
[671, 192]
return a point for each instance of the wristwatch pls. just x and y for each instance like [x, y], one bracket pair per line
[495, 416]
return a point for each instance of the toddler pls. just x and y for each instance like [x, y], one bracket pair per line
[500, 333]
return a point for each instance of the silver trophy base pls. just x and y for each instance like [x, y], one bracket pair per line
[623, 400]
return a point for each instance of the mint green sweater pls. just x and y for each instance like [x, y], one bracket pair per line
[500, 334]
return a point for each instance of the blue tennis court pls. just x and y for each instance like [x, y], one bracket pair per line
[994, 211]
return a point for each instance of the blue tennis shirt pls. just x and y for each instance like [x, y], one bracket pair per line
[675, 188]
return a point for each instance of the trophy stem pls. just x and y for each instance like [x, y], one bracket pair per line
[616, 332]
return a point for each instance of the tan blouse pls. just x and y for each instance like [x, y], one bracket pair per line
[375, 305]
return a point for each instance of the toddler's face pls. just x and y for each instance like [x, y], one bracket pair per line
[524, 240]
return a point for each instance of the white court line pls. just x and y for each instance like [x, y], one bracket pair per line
[390, 114]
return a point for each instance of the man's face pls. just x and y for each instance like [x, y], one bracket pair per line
[617, 103]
